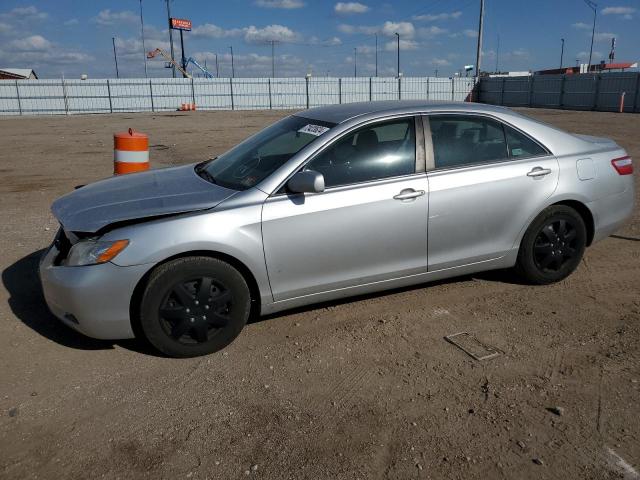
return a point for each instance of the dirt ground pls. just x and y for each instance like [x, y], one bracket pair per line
[365, 388]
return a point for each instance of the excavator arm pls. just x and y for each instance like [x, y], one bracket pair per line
[159, 51]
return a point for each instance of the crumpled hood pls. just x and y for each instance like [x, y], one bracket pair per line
[135, 196]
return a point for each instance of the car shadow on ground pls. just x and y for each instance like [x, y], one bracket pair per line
[498, 276]
[28, 305]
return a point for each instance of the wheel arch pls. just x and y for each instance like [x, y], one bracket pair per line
[138, 291]
[585, 213]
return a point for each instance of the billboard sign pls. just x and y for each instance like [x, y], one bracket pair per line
[181, 24]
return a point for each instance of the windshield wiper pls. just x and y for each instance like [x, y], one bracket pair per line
[204, 173]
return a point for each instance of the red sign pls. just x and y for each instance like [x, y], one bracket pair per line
[181, 24]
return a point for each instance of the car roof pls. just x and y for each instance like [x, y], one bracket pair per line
[346, 111]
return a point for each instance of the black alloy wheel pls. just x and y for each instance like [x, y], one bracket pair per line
[194, 306]
[552, 246]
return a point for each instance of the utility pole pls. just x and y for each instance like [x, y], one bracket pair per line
[498, 55]
[273, 59]
[217, 70]
[398, 38]
[173, 68]
[144, 50]
[479, 50]
[376, 54]
[561, 52]
[115, 55]
[233, 71]
[593, 6]
[184, 63]
[355, 62]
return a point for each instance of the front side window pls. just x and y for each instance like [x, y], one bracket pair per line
[370, 153]
[464, 140]
[259, 156]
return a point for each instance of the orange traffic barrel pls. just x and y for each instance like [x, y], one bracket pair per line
[131, 152]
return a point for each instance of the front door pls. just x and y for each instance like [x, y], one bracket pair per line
[369, 225]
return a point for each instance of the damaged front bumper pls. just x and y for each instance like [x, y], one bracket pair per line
[94, 299]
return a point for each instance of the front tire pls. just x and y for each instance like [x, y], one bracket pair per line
[552, 246]
[194, 306]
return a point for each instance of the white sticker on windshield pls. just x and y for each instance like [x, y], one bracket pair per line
[316, 130]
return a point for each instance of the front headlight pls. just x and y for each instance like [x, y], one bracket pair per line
[92, 252]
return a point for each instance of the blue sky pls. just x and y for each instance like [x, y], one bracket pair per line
[67, 37]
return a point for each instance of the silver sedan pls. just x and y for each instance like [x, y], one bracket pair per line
[329, 203]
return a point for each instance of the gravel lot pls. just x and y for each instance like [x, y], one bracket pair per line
[365, 388]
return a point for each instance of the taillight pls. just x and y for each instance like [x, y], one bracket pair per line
[623, 165]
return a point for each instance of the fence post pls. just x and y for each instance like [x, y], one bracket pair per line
[307, 89]
[153, 108]
[18, 97]
[453, 88]
[370, 90]
[270, 101]
[109, 95]
[636, 93]
[561, 101]
[530, 90]
[193, 92]
[596, 92]
[64, 94]
[427, 89]
[399, 88]
[340, 90]
[502, 91]
[231, 88]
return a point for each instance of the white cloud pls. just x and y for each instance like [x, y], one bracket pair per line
[470, 33]
[32, 43]
[5, 28]
[252, 34]
[350, 7]
[107, 17]
[329, 42]
[581, 26]
[392, 45]
[585, 55]
[432, 31]
[439, 16]
[351, 29]
[284, 4]
[405, 29]
[252, 64]
[25, 13]
[70, 22]
[209, 30]
[278, 33]
[624, 12]
[440, 62]
[604, 36]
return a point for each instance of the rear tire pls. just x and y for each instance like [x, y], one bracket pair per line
[552, 246]
[194, 306]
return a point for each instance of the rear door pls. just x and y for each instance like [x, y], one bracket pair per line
[370, 223]
[485, 181]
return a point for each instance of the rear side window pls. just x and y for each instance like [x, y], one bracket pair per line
[465, 140]
[521, 146]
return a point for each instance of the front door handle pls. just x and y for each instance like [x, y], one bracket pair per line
[408, 194]
[539, 172]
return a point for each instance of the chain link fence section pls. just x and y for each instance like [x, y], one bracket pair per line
[51, 97]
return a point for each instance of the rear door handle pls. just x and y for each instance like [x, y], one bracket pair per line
[408, 194]
[539, 172]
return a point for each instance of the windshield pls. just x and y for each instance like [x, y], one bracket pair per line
[257, 157]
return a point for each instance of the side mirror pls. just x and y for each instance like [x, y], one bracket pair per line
[307, 181]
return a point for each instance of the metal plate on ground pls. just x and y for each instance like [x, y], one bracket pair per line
[473, 347]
